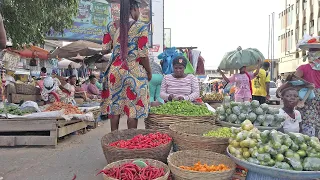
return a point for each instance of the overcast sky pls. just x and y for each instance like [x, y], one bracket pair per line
[216, 27]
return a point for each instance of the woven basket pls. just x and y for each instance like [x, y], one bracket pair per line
[189, 158]
[151, 162]
[113, 154]
[189, 136]
[156, 121]
[26, 89]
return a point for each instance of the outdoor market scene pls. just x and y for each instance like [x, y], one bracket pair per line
[96, 89]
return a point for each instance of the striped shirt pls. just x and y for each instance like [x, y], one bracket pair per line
[187, 87]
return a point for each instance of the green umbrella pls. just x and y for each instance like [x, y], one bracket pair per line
[239, 58]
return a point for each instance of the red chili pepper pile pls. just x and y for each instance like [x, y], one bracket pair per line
[130, 171]
[143, 141]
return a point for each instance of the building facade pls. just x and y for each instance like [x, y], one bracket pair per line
[298, 17]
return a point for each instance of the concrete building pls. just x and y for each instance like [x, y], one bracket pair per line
[298, 17]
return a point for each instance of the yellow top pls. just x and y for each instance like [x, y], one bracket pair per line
[259, 83]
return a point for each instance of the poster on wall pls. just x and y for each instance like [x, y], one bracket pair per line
[167, 37]
[92, 19]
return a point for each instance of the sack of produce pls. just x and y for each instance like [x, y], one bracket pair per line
[292, 151]
[30, 106]
[132, 169]
[239, 58]
[136, 143]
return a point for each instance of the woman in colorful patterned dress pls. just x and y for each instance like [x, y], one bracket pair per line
[311, 111]
[126, 79]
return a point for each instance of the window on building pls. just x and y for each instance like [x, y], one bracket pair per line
[304, 4]
[318, 27]
[297, 7]
[311, 30]
[297, 54]
[304, 27]
[297, 33]
[290, 14]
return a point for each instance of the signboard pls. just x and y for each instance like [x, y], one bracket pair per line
[92, 19]
[167, 37]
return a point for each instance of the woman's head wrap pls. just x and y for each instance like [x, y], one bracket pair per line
[180, 60]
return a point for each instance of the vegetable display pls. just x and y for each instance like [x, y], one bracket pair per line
[143, 141]
[181, 108]
[291, 151]
[213, 97]
[223, 132]
[259, 115]
[14, 110]
[205, 167]
[131, 171]
[68, 108]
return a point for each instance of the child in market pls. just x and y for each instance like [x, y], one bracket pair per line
[290, 97]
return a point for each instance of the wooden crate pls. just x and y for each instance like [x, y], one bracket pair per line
[68, 127]
[14, 132]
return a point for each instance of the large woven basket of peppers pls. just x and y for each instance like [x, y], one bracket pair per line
[136, 143]
[200, 136]
[204, 165]
[133, 169]
[163, 116]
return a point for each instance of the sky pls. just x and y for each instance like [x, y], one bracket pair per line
[216, 27]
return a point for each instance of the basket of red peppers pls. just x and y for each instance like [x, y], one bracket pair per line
[136, 169]
[136, 143]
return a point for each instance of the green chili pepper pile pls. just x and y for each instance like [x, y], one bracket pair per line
[181, 108]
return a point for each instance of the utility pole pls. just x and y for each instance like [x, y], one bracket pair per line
[269, 38]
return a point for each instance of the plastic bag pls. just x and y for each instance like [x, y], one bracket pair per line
[295, 163]
[189, 68]
[30, 105]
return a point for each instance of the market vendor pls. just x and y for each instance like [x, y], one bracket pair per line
[179, 86]
[51, 92]
[92, 89]
[242, 83]
[69, 89]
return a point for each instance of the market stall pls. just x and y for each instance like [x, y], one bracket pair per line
[28, 125]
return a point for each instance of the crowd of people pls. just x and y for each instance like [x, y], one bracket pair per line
[67, 88]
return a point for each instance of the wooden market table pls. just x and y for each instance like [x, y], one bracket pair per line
[36, 132]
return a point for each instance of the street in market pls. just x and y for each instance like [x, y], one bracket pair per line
[127, 90]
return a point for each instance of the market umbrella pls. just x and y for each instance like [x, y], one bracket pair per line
[239, 58]
[64, 63]
[78, 48]
[31, 52]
